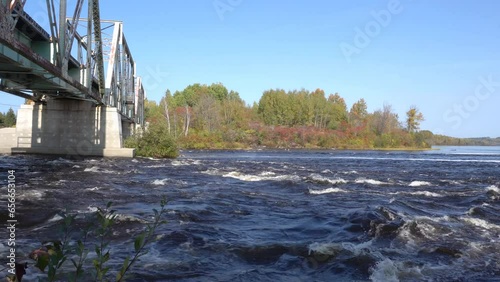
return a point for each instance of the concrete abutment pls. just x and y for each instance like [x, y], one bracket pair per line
[70, 127]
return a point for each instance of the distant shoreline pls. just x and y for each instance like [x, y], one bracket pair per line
[410, 149]
[396, 149]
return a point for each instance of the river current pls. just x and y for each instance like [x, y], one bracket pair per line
[268, 215]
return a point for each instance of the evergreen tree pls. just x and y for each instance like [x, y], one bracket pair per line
[9, 118]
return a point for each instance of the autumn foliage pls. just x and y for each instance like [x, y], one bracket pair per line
[213, 117]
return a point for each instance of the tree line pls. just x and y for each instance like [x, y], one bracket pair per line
[442, 140]
[213, 117]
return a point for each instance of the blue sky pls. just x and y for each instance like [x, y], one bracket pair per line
[442, 56]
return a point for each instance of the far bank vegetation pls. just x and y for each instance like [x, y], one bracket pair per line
[213, 117]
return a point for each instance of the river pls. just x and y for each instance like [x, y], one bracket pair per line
[268, 215]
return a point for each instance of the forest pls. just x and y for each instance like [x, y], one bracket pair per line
[213, 117]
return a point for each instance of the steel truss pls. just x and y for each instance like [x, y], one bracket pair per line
[65, 64]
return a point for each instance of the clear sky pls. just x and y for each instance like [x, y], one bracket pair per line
[442, 56]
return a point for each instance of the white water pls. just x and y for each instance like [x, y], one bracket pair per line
[419, 183]
[326, 191]
[261, 177]
[370, 181]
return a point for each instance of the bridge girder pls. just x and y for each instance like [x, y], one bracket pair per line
[34, 63]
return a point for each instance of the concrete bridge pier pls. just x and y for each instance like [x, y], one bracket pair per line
[71, 127]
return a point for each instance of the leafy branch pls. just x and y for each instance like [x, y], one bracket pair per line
[142, 240]
[106, 218]
[53, 255]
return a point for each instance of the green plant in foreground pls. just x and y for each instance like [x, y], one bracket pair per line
[106, 218]
[142, 241]
[54, 254]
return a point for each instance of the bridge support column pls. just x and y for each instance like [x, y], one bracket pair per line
[71, 127]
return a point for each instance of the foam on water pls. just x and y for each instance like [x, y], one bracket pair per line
[437, 219]
[260, 177]
[425, 193]
[285, 177]
[165, 181]
[92, 169]
[243, 177]
[118, 216]
[419, 183]
[370, 181]
[357, 249]
[335, 248]
[185, 162]
[92, 209]
[31, 195]
[212, 171]
[160, 181]
[326, 191]
[319, 178]
[428, 230]
[391, 271]
[425, 231]
[324, 248]
[99, 170]
[55, 218]
[480, 223]
[493, 188]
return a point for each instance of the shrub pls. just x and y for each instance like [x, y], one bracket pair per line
[155, 142]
